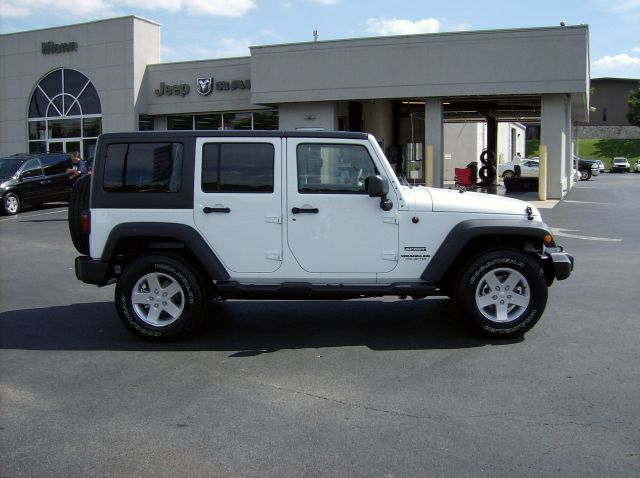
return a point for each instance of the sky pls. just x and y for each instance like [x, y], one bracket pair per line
[210, 29]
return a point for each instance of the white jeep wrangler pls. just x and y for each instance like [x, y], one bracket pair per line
[179, 219]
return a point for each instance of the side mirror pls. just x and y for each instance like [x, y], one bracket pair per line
[378, 187]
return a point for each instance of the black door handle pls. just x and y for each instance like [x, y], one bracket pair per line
[208, 210]
[300, 210]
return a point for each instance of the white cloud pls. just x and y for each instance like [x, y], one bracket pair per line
[232, 47]
[76, 8]
[395, 26]
[326, 2]
[95, 8]
[623, 6]
[168, 5]
[225, 8]
[618, 62]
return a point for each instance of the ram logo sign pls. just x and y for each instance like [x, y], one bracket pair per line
[205, 86]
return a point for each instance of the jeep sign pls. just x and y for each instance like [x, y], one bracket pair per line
[181, 89]
[204, 86]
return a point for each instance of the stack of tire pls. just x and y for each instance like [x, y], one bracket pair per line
[487, 172]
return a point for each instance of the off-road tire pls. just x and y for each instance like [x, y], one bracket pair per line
[161, 296]
[501, 293]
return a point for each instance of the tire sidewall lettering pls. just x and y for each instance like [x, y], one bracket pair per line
[178, 275]
[487, 267]
[124, 307]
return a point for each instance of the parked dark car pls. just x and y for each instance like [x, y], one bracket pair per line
[586, 167]
[32, 179]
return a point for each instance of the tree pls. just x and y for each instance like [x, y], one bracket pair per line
[634, 107]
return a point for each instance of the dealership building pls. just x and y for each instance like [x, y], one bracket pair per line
[445, 96]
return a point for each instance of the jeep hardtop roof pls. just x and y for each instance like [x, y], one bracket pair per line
[235, 134]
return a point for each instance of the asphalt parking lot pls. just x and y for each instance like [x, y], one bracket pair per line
[358, 388]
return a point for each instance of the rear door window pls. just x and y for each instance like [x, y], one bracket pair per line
[55, 164]
[237, 168]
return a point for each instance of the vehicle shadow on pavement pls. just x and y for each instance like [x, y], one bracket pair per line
[250, 328]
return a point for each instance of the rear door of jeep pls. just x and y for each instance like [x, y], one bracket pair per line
[238, 200]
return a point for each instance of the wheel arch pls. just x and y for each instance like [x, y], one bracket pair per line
[129, 240]
[469, 238]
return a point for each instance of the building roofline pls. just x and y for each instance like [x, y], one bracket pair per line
[424, 35]
[136, 17]
[611, 78]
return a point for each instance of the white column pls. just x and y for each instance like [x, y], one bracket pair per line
[555, 133]
[434, 135]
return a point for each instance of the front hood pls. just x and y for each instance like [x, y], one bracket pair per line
[450, 200]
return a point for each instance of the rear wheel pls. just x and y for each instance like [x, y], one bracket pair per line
[160, 297]
[502, 293]
[11, 204]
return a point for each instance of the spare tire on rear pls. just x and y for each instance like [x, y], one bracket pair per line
[79, 202]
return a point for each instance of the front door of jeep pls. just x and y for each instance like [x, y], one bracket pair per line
[333, 226]
[238, 201]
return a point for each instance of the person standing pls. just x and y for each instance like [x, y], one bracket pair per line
[517, 159]
[77, 167]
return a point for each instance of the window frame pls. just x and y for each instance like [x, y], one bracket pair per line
[220, 190]
[333, 188]
[177, 161]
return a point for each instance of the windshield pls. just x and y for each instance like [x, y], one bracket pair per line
[8, 167]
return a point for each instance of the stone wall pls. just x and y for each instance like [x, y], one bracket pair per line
[609, 132]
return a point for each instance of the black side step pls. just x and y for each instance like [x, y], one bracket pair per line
[307, 291]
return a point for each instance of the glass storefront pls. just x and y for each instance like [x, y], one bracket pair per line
[245, 120]
[64, 114]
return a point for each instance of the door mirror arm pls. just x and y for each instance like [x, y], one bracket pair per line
[378, 186]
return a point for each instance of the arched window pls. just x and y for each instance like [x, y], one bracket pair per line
[64, 114]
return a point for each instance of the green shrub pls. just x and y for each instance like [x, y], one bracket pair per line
[607, 149]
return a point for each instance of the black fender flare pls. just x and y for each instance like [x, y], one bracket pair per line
[175, 234]
[466, 231]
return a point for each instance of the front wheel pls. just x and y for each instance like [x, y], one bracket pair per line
[502, 293]
[160, 297]
[585, 175]
[11, 204]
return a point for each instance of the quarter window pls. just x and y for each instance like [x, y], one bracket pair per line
[143, 167]
[333, 168]
[237, 167]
